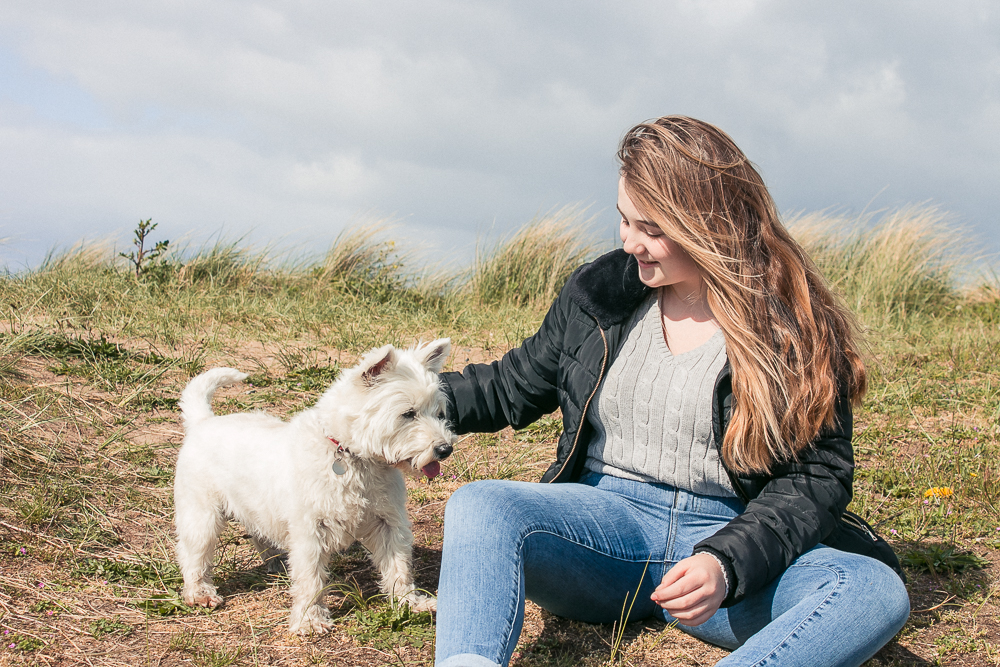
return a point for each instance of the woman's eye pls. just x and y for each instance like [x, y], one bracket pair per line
[410, 414]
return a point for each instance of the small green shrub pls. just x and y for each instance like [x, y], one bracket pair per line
[143, 258]
[104, 627]
[942, 558]
[388, 625]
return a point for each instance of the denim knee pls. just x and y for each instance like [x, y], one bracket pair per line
[475, 502]
[485, 510]
[460, 502]
[892, 596]
[877, 594]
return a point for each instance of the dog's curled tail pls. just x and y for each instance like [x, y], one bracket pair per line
[196, 399]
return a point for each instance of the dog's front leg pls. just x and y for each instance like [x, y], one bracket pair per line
[389, 541]
[307, 561]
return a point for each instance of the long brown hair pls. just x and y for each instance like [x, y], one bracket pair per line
[792, 347]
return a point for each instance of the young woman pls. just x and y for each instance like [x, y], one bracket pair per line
[705, 375]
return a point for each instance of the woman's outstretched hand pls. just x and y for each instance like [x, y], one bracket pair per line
[692, 590]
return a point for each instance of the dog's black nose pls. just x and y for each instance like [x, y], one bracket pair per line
[442, 451]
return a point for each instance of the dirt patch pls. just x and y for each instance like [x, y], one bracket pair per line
[90, 580]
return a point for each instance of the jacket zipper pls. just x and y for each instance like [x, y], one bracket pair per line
[586, 406]
[854, 520]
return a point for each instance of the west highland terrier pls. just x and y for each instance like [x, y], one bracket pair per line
[312, 486]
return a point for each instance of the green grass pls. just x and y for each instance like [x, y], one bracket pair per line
[92, 359]
[194, 646]
[360, 294]
[104, 627]
[386, 626]
[903, 264]
[532, 265]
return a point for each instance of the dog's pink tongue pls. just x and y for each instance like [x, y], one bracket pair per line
[432, 470]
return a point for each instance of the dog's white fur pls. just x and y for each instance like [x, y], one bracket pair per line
[280, 479]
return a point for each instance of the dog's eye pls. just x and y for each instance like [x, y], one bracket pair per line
[410, 414]
[441, 415]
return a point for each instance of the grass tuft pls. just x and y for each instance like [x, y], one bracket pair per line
[943, 559]
[903, 264]
[530, 268]
[223, 265]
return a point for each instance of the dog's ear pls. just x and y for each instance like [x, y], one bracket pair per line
[435, 353]
[380, 361]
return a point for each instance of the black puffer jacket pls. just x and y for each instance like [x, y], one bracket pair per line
[796, 506]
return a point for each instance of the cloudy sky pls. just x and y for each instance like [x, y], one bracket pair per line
[286, 121]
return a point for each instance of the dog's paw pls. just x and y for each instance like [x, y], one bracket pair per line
[315, 619]
[209, 599]
[420, 602]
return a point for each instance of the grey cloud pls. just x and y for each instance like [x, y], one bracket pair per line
[459, 115]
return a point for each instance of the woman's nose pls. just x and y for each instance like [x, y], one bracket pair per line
[631, 243]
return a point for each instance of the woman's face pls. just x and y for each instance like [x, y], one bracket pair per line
[661, 261]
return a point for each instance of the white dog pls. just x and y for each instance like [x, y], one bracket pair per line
[313, 485]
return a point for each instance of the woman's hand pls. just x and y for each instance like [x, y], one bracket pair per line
[692, 590]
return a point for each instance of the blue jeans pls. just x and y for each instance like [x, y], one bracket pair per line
[578, 550]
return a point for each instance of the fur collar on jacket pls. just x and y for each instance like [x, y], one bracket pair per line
[608, 288]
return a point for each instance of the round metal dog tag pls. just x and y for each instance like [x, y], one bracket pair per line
[339, 468]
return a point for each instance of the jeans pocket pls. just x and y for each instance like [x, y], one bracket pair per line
[689, 529]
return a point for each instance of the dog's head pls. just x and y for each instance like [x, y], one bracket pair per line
[398, 407]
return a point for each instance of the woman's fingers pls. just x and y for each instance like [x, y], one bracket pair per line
[693, 609]
[671, 590]
[695, 618]
[692, 590]
[693, 600]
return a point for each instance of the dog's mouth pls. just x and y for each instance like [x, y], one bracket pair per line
[431, 470]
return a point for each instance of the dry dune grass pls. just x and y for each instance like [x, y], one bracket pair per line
[904, 262]
[92, 361]
[529, 267]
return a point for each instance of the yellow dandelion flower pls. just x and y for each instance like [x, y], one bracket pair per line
[938, 492]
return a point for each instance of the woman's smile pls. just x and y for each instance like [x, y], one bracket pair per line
[662, 262]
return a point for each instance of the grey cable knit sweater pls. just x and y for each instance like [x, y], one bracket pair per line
[653, 421]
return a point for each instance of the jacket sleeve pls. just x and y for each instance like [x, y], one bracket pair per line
[797, 508]
[515, 390]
